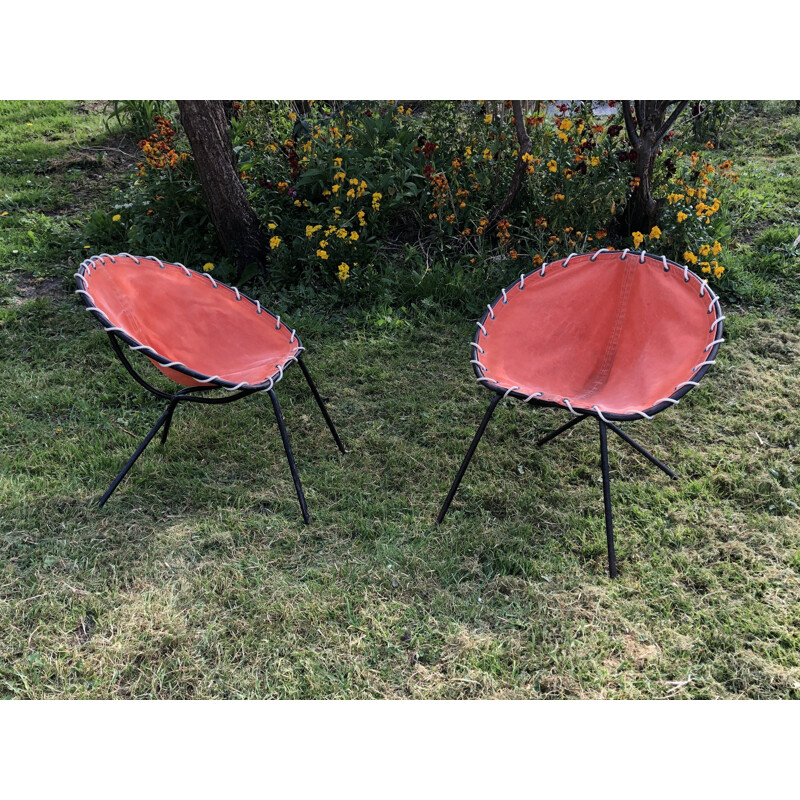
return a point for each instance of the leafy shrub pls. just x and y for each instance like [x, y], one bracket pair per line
[376, 203]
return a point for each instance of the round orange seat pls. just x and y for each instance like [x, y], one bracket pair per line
[197, 331]
[619, 334]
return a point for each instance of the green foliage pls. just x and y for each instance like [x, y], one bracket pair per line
[140, 115]
[711, 120]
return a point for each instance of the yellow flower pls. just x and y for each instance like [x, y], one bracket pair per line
[322, 254]
[353, 236]
[704, 250]
[690, 257]
[552, 166]
[718, 271]
[337, 162]
[638, 238]
[274, 242]
[208, 267]
[487, 118]
[716, 249]
[272, 226]
[594, 161]
[566, 124]
[341, 233]
[682, 216]
[655, 233]
[557, 196]
[487, 154]
[335, 188]
[115, 218]
[344, 271]
[337, 212]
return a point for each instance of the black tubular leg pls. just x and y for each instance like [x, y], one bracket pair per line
[288, 448]
[612, 557]
[139, 450]
[565, 427]
[321, 404]
[168, 422]
[468, 457]
[636, 446]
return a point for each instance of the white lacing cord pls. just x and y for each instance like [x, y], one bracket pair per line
[258, 307]
[521, 282]
[702, 364]
[599, 413]
[685, 383]
[531, 396]
[482, 328]
[491, 312]
[475, 344]
[478, 364]
[567, 260]
[213, 282]
[715, 323]
[624, 255]
[642, 256]
[641, 414]
[128, 255]
[541, 271]
[711, 344]
[508, 391]
[666, 400]
[278, 323]
[82, 277]
[236, 291]
[160, 262]
[602, 250]
[291, 338]
[186, 269]
[569, 406]
[666, 266]
[505, 297]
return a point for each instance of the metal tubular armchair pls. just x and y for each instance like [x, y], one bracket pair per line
[198, 332]
[615, 336]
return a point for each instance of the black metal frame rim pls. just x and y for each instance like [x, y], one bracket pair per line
[132, 342]
[677, 395]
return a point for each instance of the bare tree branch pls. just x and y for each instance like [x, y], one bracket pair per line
[630, 126]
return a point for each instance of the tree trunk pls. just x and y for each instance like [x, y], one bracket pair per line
[645, 133]
[206, 126]
[519, 171]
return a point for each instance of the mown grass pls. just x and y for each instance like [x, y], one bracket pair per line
[199, 580]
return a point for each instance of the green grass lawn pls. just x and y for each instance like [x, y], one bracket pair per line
[198, 579]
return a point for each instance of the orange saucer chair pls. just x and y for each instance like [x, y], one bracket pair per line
[616, 336]
[199, 332]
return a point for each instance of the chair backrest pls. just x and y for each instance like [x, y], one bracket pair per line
[196, 330]
[623, 333]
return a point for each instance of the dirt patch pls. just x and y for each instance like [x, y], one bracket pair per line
[28, 287]
[639, 652]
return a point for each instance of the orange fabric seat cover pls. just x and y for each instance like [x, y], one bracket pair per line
[185, 317]
[615, 334]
